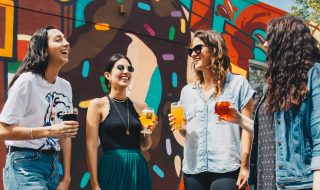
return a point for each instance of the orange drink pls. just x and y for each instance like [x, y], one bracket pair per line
[222, 108]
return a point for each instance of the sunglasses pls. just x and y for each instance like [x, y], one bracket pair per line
[197, 49]
[120, 67]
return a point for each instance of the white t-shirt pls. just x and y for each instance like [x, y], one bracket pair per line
[33, 102]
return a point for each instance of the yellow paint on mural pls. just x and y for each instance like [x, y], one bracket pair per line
[183, 25]
[84, 104]
[102, 26]
[9, 22]
[238, 70]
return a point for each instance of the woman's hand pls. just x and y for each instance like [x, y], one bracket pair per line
[154, 125]
[172, 119]
[64, 184]
[64, 129]
[243, 177]
[233, 116]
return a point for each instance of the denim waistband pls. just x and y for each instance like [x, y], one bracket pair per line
[15, 149]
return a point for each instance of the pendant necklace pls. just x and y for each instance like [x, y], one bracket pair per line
[127, 126]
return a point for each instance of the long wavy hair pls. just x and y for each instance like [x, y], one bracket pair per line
[291, 53]
[220, 61]
[110, 64]
[36, 58]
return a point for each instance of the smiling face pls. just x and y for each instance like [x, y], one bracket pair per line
[201, 58]
[120, 75]
[58, 47]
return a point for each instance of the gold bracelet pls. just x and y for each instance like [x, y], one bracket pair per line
[31, 133]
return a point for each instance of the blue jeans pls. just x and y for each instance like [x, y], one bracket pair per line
[25, 170]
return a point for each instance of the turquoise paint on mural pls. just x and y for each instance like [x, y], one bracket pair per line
[158, 171]
[186, 3]
[85, 69]
[144, 6]
[174, 80]
[153, 97]
[79, 14]
[259, 54]
[85, 179]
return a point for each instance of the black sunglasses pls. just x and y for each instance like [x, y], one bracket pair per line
[120, 67]
[197, 49]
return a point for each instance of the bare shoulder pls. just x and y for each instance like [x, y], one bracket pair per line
[97, 103]
[139, 106]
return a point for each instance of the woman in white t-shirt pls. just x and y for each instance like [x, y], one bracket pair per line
[30, 122]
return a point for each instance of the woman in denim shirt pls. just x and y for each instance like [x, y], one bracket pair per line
[292, 102]
[214, 155]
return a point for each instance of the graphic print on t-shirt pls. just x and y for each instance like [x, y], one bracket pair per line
[57, 104]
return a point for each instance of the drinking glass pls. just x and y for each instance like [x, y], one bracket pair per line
[178, 112]
[147, 118]
[222, 109]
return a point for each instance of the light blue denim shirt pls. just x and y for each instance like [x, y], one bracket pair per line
[298, 139]
[210, 146]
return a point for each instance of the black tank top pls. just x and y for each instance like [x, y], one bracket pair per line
[112, 131]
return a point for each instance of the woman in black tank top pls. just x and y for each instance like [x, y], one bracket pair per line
[114, 120]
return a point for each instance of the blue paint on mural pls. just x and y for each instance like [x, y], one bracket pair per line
[153, 97]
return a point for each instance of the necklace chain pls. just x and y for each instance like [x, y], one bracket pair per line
[127, 126]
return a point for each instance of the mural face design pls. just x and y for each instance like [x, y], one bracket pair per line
[154, 34]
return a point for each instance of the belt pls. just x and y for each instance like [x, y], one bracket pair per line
[15, 149]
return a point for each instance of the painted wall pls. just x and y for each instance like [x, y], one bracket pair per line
[153, 34]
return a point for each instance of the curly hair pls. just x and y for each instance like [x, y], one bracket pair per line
[220, 61]
[291, 53]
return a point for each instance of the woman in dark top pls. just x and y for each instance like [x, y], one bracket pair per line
[114, 120]
[286, 145]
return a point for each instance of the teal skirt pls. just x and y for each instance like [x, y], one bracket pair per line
[123, 169]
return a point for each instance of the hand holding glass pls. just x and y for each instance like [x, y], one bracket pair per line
[70, 115]
[178, 112]
[147, 118]
[222, 109]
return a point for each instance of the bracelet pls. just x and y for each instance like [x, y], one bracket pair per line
[31, 135]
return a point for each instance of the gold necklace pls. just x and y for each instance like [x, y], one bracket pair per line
[127, 126]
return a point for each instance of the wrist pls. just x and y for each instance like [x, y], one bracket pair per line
[67, 179]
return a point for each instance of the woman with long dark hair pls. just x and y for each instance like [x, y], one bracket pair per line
[114, 120]
[215, 154]
[31, 123]
[286, 145]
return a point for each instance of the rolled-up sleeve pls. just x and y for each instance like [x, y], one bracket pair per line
[314, 89]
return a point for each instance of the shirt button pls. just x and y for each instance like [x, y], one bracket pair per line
[279, 143]
[280, 167]
[278, 122]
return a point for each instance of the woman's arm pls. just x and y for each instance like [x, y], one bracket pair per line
[94, 115]
[236, 117]
[16, 132]
[316, 179]
[65, 144]
[246, 139]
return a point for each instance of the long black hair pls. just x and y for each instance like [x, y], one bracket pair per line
[292, 52]
[110, 64]
[36, 58]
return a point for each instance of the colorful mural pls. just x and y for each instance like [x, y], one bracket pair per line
[154, 35]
